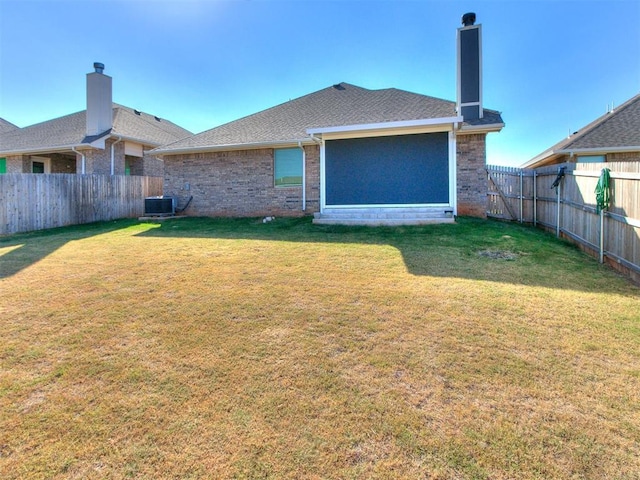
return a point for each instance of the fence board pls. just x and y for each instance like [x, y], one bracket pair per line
[578, 219]
[34, 202]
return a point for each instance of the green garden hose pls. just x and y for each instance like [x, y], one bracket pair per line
[603, 191]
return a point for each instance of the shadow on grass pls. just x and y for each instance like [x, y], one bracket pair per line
[25, 249]
[474, 249]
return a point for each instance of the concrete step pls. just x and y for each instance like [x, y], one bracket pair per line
[384, 216]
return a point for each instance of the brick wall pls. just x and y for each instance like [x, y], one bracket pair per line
[62, 163]
[99, 161]
[238, 183]
[18, 164]
[152, 166]
[472, 175]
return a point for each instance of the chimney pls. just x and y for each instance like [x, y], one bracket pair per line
[99, 101]
[469, 100]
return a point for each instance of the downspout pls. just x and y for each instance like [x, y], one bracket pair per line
[304, 177]
[82, 163]
[113, 161]
[320, 143]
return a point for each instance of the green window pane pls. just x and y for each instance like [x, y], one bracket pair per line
[3, 165]
[288, 167]
[592, 159]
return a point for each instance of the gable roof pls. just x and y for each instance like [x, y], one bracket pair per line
[339, 105]
[69, 131]
[618, 130]
[6, 126]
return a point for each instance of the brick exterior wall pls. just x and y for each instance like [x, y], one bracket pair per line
[59, 163]
[96, 162]
[62, 163]
[99, 161]
[152, 166]
[18, 164]
[471, 175]
[148, 165]
[239, 184]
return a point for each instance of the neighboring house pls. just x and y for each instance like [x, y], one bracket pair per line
[106, 138]
[5, 126]
[346, 154]
[613, 137]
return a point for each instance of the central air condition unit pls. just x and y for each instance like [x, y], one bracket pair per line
[160, 205]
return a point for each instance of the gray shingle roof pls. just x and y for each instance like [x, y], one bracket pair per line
[6, 126]
[617, 129]
[338, 105]
[620, 128]
[69, 130]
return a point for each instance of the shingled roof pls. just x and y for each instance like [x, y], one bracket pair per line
[6, 126]
[339, 105]
[617, 130]
[70, 131]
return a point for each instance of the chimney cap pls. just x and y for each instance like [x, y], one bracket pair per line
[468, 19]
[98, 66]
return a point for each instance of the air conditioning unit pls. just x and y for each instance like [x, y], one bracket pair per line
[160, 206]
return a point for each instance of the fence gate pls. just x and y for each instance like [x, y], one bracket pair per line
[511, 193]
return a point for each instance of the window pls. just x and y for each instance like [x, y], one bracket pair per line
[3, 165]
[288, 167]
[592, 159]
[40, 165]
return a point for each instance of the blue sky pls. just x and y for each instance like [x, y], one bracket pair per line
[549, 66]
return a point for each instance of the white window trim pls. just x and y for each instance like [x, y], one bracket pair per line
[44, 160]
[297, 185]
[453, 181]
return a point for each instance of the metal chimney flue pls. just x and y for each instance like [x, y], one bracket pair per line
[99, 67]
[468, 19]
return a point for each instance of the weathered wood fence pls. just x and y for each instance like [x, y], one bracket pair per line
[527, 195]
[33, 202]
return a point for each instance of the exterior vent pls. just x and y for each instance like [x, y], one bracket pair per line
[160, 206]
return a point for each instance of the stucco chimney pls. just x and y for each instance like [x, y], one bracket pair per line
[469, 101]
[99, 101]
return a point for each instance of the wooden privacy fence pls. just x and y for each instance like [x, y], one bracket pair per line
[34, 202]
[527, 195]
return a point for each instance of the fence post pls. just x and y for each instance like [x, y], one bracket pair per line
[601, 236]
[535, 198]
[558, 188]
[521, 197]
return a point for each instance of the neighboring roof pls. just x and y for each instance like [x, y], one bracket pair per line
[6, 126]
[70, 131]
[617, 130]
[338, 105]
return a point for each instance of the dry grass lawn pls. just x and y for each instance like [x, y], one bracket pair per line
[202, 348]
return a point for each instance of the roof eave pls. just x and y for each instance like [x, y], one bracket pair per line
[488, 128]
[423, 122]
[232, 146]
[599, 150]
[53, 149]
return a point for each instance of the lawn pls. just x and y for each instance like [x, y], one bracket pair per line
[202, 348]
